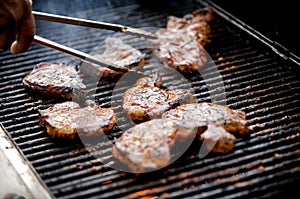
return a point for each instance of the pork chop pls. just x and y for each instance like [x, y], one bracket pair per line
[215, 123]
[56, 81]
[149, 146]
[66, 120]
[117, 52]
[181, 44]
[148, 100]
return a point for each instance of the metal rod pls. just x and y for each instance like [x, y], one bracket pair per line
[84, 56]
[93, 24]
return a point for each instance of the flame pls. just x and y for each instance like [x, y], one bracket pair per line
[141, 193]
[107, 182]
[230, 67]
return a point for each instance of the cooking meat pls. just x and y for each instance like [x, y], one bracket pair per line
[180, 44]
[216, 139]
[196, 25]
[180, 51]
[55, 80]
[116, 52]
[209, 113]
[149, 146]
[68, 119]
[147, 100]
[215, 123]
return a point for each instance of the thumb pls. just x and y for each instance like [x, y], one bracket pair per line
[25, 32]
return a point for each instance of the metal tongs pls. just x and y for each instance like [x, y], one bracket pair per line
[87, 23]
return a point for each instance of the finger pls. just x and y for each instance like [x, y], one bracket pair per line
[7, 34]
[25, 32]
[7, 28]
[6, 38]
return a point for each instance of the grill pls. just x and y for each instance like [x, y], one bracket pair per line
[262, 81]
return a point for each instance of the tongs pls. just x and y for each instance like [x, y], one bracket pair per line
[87, 23]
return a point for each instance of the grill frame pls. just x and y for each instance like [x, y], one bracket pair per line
[203, 187]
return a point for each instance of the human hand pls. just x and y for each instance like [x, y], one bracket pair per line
[17, 26]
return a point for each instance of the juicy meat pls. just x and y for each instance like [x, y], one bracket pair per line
[149, 146]
[216, 139]
[196, 25]
[117, 52]
[215, 123]
[147, 100]
[55, 80]
[69, 119]
[180, 51]
[180, 44]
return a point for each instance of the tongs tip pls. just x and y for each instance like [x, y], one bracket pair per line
[140, 33]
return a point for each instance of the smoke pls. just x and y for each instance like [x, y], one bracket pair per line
[76, 37]
[68, 7]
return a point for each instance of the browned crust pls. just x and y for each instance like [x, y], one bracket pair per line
[43, 81]
[147, 146]
[208, 122]
[68, 119]
[180, 51]
[203, 114]
[214, 122]
[217, 139]
[180, 44]
[146, 100]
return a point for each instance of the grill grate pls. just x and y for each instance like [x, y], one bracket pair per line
[256, 80]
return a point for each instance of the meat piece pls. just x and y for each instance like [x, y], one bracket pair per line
[66, 120]
[149, 146]
[196, 25]
[215, 123]
[202, 15]
[180, 51]
[216, 139]
[180, 44]
[116, 52]
[209, 113]
[55, 80]
[147, 100]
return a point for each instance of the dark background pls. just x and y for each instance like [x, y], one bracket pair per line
[277, 20]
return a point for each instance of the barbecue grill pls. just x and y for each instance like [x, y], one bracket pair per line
[259, 78]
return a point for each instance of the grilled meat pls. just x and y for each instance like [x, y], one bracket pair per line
[215, 123]
[216, 139]
[196, 25]
[55, 80]
[116, 52]
[149, 146]
[69, 119]
[180, 44]
[147, 100]
[180, 51]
